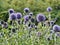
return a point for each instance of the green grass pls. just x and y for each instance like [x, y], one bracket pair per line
[36, 6]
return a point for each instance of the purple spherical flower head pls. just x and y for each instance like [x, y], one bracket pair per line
[18, 15]
[26, 10]
[32, 20]
[40, 17]
[51, 23]
[12, 16]
[31, 13]
[11, 11]
[49, 9]
[5, 25]
[26, 17]
[56, 28]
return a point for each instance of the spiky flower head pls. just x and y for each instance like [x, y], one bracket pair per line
[56, 28]
[5, 25]
[49, 9]
[26, 10]
[40, 17]
[31, 13]
[12, 16]
[11, 11]
[26, 17]
[32, 20]
[18, 15]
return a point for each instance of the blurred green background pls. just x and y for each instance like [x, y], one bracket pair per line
[36, 6]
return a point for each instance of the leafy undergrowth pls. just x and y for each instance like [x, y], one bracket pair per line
[27, 29]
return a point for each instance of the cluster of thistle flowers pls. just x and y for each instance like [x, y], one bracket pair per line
[28, 19]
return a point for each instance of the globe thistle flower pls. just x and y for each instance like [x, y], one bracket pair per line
[29, 17]
[18, 15]
[32, 20]
[40, 17]
[5, 25]
[26, 10]
[49, 9]
[11, 11]
[56, 28]
[26, 17]
[31, 13]
[51, 23]
[12, 16]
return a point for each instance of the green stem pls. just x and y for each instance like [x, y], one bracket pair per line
[49, 16]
